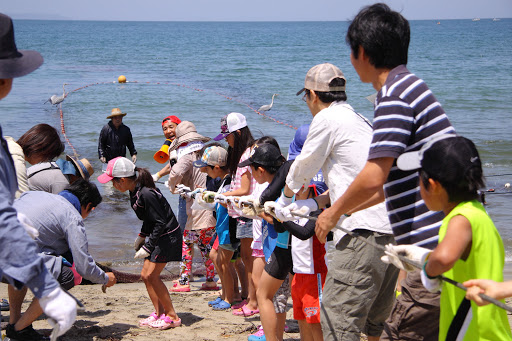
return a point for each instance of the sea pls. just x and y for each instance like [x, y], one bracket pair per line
[201, 71]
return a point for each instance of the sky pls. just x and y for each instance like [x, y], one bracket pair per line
[246, 10]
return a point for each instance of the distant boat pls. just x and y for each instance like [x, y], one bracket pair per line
[439, 23]
[496, 19]
[476, 19]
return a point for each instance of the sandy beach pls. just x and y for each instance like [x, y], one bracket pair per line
[113, 316]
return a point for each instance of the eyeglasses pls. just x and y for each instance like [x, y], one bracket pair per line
[305, 97]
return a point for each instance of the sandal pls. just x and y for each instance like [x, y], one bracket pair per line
[165, 323]
[180, 288]
[214, 302]
[207, 287]
[222, 305]
[152, 318]
[245, 311]
[239, 304]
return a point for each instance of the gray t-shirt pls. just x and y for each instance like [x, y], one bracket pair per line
[46, 177]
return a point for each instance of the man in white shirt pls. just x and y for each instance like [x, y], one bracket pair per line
[358, 291]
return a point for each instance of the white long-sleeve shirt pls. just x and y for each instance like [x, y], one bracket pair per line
[338, 142]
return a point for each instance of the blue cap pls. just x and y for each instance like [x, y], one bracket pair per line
[66, 167]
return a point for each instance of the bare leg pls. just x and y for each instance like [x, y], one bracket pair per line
[266, 291]
[16, 298]
[257, 269]
[316, 330]
[247, 258]
[242, 277]
[157, 290]
[234, 276]
[305, 331]
[214, 256]
[373, 338]
[225, 273]
[280, 323]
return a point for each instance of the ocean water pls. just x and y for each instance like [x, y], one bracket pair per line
[201, 71]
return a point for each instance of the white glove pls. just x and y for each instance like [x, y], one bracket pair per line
[139, 242]
[182, 189]
[208, 197]
[60, 308]
[270, 208]
[412, 252]
[156, 176]
[103, 159]
[141, 253]
[283, 200]
[27, 224]
[431, 284]
[200, 204]
[166, 184]
[134, 158]
[304, 207]
[192, 194]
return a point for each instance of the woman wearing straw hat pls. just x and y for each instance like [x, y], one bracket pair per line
[200, 226]
[115, 137]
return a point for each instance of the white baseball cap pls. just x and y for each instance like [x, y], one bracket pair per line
[120, 167]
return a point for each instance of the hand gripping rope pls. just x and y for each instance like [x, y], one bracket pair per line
[239, 202]
[63, 130]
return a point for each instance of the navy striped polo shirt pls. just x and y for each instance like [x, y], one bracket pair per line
[406, 116]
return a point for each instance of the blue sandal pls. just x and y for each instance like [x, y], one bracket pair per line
[214, 302]
[222, 305]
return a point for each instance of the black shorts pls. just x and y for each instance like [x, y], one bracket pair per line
[66, 278]
[168, 248]
[280, 263]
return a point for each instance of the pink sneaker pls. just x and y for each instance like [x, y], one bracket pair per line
[165, 322]
[245, 311]
[152, 318]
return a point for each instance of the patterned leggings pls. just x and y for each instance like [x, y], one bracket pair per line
[202, 238]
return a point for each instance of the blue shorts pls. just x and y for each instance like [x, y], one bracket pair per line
[244, 228]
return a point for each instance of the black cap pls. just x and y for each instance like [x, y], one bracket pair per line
[264, 154]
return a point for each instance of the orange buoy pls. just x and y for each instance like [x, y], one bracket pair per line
[121, 79]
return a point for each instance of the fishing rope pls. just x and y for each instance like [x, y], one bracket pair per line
[63, 130]
[240, 202]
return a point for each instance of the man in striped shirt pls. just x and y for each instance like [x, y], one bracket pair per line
[406, 116]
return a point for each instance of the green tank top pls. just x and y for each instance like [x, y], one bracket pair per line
[462, 319]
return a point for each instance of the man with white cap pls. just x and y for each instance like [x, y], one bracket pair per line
[115, 137]
[358, 286]
[19, 263]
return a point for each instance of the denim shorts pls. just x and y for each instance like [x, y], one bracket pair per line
[244, 228]
[230, 247]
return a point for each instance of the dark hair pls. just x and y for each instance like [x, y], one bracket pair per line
[144, 178]
[460, 179]
[269, 169]
[86, 192]
[42, 140]
[383, 34]
[269, 140]
[331, 96]
[243, 140]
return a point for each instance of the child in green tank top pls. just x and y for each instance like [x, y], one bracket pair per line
[469, 244]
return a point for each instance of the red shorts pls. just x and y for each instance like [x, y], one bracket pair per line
[306, 290]
[215, 245]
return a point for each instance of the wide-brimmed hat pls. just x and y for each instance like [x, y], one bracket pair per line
[83, 166]
[13, 62]
[116, 112]
[186, 132]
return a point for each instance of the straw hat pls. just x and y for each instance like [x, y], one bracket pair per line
[186, 132]
[14, 62]
[82, 165]
[116, 112]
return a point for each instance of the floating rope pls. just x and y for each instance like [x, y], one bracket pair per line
[63, 130]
